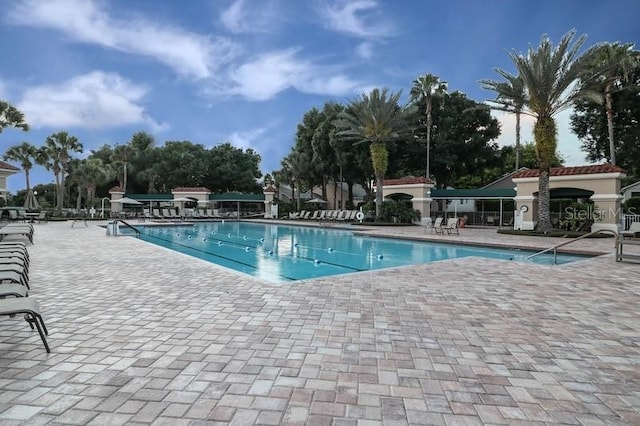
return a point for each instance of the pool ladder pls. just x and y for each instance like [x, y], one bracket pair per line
[115, 223]
[555, 248]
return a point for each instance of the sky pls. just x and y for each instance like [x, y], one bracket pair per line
[246, 71]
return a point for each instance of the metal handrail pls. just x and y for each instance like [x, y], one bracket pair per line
[555, 248]
[129, 226]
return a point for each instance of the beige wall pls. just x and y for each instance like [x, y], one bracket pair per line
[419, 191]
[606, 197]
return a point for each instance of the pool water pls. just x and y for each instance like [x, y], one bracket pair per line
[280, 253]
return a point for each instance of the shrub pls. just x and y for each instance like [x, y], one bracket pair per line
[632, 205]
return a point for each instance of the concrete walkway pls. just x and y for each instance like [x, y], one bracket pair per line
[143, 335]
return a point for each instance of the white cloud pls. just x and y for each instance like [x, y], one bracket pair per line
[351, 17]
[257, 18]
[365, 50]
[274, 72]
[247, 139]
[95, 100]
[190, 54]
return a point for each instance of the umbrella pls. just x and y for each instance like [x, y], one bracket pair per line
[317, 201]
[182, 200]
[126, 200]
[30, 202]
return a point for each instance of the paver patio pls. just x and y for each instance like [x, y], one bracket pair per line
[143, 335]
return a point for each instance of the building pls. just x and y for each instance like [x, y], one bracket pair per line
[6, 170]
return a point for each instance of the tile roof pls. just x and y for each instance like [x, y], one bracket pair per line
[575, 170]
[7, 166]
[409, 180]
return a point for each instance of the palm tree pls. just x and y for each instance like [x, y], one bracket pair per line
[25, 154]
[424, 89]
[90, 173]
[11, 116]
[55, 156]
[376, 119]
[121, 157]
[510, 97]
[617, 61]
[550, 77]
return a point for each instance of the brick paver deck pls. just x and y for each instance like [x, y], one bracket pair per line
[143, 335]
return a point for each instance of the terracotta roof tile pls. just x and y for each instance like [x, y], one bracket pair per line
[115, 189]
[575, 170]
[409, 180]
[7, 166]
[269, 188]
[191, 189]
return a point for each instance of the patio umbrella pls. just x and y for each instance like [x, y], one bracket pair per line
[182, 200]
[126, 200]
[30, 202]
[317, 201]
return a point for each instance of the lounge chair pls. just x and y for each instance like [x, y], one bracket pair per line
[315, 215]
[427, 223]
[31, 309]
[632, 232]
[42, 217]
[17, 229]
[15, 290]
[437, 226]
[451, 226]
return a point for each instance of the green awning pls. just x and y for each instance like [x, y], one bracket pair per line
[473, 194]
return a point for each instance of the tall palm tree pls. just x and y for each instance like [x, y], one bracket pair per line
[510, 97]
[376, 119]
[55, 155]
[121, 158]
[550, 77]
[26, 155]
[424, 89]
[617, 61]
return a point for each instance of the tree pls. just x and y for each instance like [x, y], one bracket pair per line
[26, 155]
[10, 116]
[510, 97]
[589, 123]
[121, 156]
[465, 141]
[375, 119]
[550, 75]
[617, 60]
[55, 156]
[90, 173]
[424, 89]
[618, 66]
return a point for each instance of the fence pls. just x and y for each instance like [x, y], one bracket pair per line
[627, 219]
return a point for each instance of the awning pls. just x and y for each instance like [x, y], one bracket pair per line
[473, 194]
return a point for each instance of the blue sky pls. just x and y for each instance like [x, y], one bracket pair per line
[245, 71]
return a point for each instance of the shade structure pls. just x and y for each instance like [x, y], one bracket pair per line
[30, 202]
[126, 200]
[183, 200]
[317, 201]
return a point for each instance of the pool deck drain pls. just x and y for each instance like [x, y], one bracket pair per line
[144, 335]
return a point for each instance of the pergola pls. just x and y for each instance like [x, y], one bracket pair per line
[474, 194]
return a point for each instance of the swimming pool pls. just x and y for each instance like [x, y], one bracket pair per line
[280, 253]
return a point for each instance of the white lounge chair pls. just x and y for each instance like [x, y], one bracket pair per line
[452, 226]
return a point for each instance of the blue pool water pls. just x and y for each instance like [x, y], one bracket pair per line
[280, 253]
